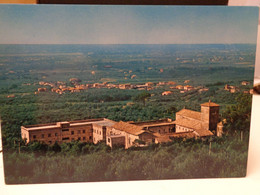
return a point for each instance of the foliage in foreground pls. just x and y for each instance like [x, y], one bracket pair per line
[175, 160]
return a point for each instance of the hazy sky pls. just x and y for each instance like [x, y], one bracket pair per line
[40, 24]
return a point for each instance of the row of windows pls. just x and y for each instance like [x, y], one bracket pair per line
[43, 135]
[79, 138]
[97, 131]
[184, 129]
[166, 130]
[56, 134]
[163, 131]
[79, 131]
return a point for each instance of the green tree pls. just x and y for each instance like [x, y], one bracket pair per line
[238, 116]
[142, 97]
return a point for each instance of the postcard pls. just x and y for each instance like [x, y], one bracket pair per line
[120, 93]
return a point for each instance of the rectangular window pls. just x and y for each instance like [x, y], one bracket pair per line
[84, 131]
[65, 129]
[42, 135]
[50, 142]
[78, 131]
[108, 140]
[65, 138]
[72, 139]
[34, 137]
[79, 138]
[84, 138]
[72, 132]
[49, 135]
[56, 134]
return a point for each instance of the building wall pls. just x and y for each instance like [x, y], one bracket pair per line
[25, 135]
[129, 140]
[182, 129]
[214, 118]
[48, 136]
[61, 133]
[219, 129]
[146, 137]
[205, 117]
[115, 141]
[99, 133]
[80, 133]
[209, 117]
[162, 129]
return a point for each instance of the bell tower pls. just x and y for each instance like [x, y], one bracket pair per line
[209, 115]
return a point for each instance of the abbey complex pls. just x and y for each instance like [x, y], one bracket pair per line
[188, 124]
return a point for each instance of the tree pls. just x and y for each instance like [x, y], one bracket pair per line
[238, 116]
[142, 97]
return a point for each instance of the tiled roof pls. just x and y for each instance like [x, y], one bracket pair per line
[192, 124]
[158, 124]
[209, 104]
[105, 122]
[195, 125]
[100, 121]
[203, 132]
[163, 138]
[128, 128]
[168, 137]
[152, 122]
[190, 114]
[47, 127]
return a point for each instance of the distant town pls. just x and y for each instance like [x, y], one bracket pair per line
[61, 87]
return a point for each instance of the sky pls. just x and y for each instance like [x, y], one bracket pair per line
[93, 24]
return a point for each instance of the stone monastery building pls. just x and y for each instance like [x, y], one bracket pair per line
[188, 124]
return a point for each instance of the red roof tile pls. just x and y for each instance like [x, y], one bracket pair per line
[168, 137]
[128, 128]
[195, 125]
[208, 104]
[190, 114]
[192, 124]
[203, 132]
